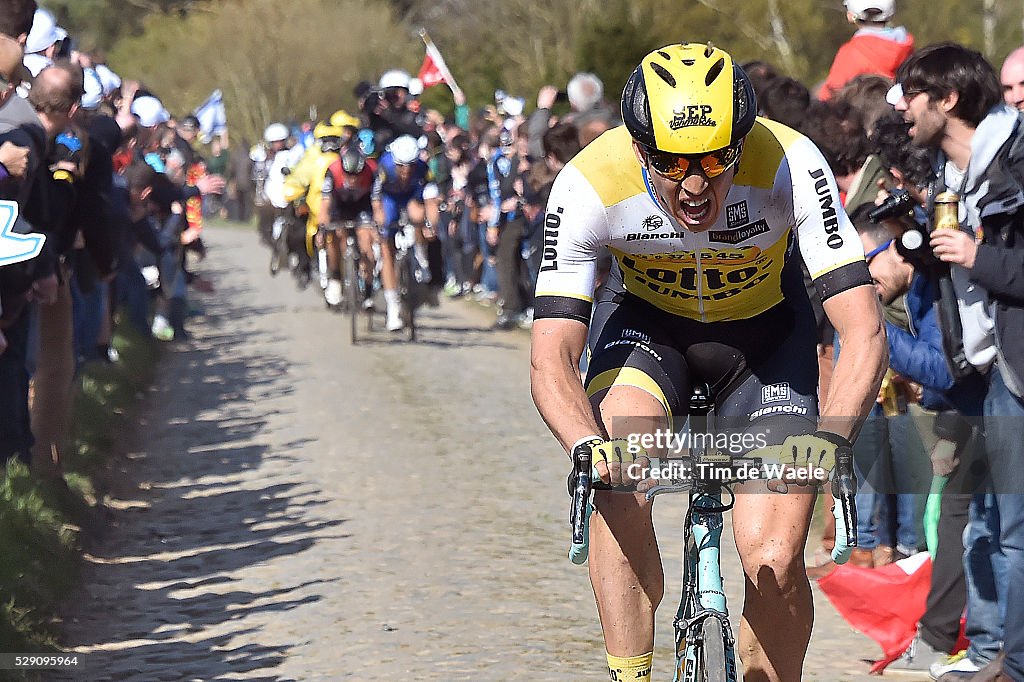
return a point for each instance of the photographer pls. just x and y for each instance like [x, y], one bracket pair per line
[387, 109]
[952, 98]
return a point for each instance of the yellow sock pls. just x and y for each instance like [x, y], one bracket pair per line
[631, 668]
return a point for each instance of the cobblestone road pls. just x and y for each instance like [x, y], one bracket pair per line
[295, 508]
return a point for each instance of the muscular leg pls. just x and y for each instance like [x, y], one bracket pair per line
[625, 565]
[364, 238]
[778, 611]
[417, 216]
[335, 252]
[387, 272]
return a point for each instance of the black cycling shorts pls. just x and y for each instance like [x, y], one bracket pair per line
[763, 370]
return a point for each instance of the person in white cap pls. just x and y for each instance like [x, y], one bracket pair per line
[876, 47]
[392, 117]
[42, 43]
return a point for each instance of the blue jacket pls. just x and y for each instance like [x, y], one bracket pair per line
[919, 356]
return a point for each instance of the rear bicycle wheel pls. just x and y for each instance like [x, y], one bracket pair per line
[714, 665]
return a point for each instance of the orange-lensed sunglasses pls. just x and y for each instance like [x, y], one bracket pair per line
[677, 166]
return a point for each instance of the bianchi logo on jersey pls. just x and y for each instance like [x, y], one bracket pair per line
[774, 393]
[692, 115]
[736, 214]
[642, 236]
[777, 409]
[740, 235]
[653, 222]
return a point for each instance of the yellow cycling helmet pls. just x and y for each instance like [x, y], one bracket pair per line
[341, 119]
[324, 129]
[688, 99]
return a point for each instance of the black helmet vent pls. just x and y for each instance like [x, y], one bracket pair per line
[740, 99]
[635, 96]
[714, 71]
[663, 73]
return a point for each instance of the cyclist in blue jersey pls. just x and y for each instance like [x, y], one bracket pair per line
[404, 183]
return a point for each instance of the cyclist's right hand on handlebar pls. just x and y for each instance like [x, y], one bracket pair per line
[807, 459]
[617, 462]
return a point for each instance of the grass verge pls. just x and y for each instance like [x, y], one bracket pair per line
[41, 524]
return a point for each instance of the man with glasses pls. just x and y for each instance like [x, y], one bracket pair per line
[702, 205]
[953, 100]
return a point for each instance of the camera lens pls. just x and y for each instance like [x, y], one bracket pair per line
[912, 239]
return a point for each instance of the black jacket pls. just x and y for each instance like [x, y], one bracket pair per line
[999, 264]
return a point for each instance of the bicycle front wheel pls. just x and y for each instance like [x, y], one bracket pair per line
[409, 301]
[714, 664]
[352, 294]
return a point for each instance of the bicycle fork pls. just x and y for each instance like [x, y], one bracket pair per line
[703, 597]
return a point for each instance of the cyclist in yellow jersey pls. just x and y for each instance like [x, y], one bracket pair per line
[307, 178]
[707, 211]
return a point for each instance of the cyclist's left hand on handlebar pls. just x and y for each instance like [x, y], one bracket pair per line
[807, 459]
[618, 463]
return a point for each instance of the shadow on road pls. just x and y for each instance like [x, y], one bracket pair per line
[216, 502]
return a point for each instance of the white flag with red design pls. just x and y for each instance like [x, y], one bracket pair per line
[434, 71]
[430, 74]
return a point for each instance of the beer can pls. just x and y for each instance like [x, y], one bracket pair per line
[947, 211]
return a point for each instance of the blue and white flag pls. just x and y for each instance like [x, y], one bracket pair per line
[15, 248]
[213, 118]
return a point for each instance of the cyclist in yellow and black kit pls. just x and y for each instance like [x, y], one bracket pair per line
[707, 211]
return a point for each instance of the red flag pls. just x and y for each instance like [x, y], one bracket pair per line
[430, 74]
[884, 603]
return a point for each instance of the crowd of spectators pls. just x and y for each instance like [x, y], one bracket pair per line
[98, 171]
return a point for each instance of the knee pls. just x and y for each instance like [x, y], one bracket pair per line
[776, 571]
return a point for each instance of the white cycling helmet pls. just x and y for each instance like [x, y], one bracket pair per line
[404, 149]
[275, 132]
[394, 78]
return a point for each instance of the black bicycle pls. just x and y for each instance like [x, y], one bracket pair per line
[357, 291]
[405, 270]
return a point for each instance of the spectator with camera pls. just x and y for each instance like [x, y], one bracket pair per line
[953, 100]
[387, 109]
[585, 95]
[918, 354]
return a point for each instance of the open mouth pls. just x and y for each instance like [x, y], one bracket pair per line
[695, 211]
